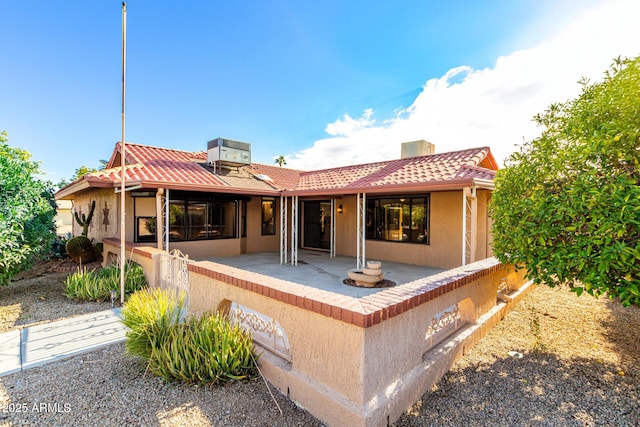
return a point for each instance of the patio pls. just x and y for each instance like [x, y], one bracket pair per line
[317, 269]
[351, 356]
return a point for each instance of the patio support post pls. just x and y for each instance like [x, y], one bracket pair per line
[294, 230]
[469, 224]
[159, 218]
[464, 227]
[473, 233]
[332, 244]
[361, 202]
[283, 229]
[166, 220]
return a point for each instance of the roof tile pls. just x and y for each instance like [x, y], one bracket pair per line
[164, 167]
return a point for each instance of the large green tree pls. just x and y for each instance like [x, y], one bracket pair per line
[567, 205]
[27, 209]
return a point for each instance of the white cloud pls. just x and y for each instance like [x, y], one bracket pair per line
[494, 106]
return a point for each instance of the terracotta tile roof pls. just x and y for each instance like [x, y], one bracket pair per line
[281, 178]
[154, 167]
[475, 163]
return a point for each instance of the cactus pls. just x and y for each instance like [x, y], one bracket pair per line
[80, 249]
[85, 220]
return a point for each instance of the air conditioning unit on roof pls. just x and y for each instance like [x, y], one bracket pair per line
[228, 152]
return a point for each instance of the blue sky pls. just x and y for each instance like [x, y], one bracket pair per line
[323, 83]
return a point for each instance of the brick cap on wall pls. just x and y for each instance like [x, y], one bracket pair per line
[363, 312]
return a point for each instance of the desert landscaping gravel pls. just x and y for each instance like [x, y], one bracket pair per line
[555, 360]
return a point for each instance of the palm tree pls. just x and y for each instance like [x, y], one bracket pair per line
[280, 160]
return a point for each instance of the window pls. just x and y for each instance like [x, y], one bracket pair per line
[144, 216]
[268, 218]
[145, 229]
[243, 219]
[202, 220]
[398, 219]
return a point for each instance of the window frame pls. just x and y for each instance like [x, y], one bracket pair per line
[265, 228]
[380, 210]
[209, 229]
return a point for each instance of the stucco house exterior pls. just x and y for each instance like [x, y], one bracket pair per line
[424, 208]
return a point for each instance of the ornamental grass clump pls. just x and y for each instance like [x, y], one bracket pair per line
[150, 314]
[207, 350]
[92, 285]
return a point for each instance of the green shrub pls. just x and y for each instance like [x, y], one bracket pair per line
[27, 208]
[97, 286]
[149, 314]
[207, 350]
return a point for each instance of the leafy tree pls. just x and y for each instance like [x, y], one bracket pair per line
[567, 206]
[26, 211]
[82, 171]
[280, 160]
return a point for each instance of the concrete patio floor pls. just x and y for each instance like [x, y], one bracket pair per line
[317, 269]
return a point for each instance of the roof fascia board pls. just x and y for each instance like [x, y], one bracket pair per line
[431, 186]
[209, 189]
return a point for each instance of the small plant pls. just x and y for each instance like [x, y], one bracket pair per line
[92, 285]
[80, 249]
[58, 248]
[538, 345]
[149, 315]
[85, 220]
[207, 350]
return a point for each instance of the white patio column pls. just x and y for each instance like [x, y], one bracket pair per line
[469, 224]
[159, 218]
[294, 230]
[166, 220]
[361, 229]
[283, 230]
[474, 225]
[332, 237]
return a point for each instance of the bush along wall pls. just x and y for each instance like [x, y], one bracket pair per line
[207, 350]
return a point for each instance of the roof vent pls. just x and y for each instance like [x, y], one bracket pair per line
[417, 149]
[228, 152]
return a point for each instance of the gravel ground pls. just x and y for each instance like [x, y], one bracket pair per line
[580, 366]
[37, 296]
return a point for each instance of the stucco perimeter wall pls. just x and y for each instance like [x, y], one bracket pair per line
[146, 256]
[362, 361]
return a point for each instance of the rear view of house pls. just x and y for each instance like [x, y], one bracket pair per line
[424, 208]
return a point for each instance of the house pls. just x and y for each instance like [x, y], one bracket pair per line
[63, 218]
[424, 208]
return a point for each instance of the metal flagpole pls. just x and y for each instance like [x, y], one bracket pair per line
[123, 258]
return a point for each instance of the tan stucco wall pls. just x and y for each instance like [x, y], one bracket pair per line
[349, 374]
[106, 217]
[204, 249]
[256, 242]
[444, 249]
